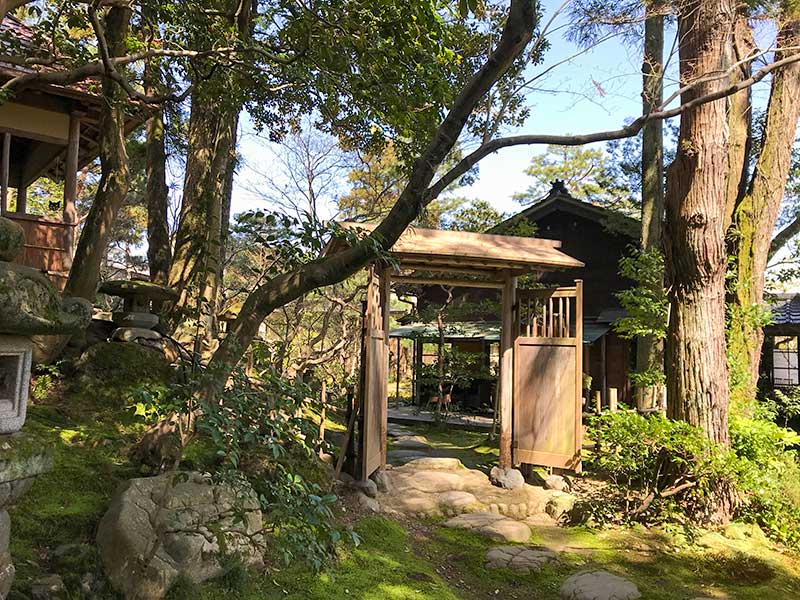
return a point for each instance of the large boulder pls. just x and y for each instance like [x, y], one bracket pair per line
[31, 305]
[177, 524]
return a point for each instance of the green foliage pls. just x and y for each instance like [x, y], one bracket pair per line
[658, 469]
[476, 215]
[662, 470]
[646, 305]
[769, 475]
[44, 380]
[587, 174]
[781, 404]
[252, 430]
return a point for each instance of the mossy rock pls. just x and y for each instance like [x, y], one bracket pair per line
[12, 239]
[110, 369]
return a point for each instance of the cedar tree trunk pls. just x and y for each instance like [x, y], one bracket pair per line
[159, 253]
[757, 210]
[695, 253]
[650, 351]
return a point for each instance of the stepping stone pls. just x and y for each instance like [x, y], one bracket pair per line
[457, 501]
[430, 462]
[523, 559]
[404, 456]
[493, 525]
[396, 431]
[598, 585]
[411, 443]
[434, 481]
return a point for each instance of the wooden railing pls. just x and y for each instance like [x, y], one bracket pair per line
[48, 245]
[547, 313]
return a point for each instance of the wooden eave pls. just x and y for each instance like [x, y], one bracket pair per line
[560, 202]
[478, 253]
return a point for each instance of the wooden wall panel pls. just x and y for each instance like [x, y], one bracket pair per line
[47, 246]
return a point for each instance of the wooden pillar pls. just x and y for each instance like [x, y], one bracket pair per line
[386, 301]
[71, 169]
[612, 400]
[506, 380]
[5, 167]
[22, 199]
[397, 373]
[418, 351]
[603, 374]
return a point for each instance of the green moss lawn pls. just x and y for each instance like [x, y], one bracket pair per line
[90, 435]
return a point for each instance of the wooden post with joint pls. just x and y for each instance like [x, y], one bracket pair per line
[70, 214]
[506, 383]
[5, 166]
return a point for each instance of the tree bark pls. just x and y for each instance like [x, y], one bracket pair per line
[115, 176]
[328, 270]
[159, 252]
[696, 366]
[650, 351]
[197, 261]
[755, 214]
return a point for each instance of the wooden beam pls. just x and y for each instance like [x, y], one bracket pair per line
[578, 372]
[506, 379]
[71, 169]
[469, 283]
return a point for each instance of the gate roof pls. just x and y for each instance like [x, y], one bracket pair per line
[442, 250]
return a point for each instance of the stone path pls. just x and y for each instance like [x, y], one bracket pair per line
[494, 526]
[407, 415]
[427, 486]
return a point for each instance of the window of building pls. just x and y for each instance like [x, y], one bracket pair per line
[785, 371]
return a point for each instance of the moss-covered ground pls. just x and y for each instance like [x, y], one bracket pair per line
[397, 559]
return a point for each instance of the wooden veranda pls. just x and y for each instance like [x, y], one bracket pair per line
[47, 131]
[540, 379]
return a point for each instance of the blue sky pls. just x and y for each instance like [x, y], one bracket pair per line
[596, 90]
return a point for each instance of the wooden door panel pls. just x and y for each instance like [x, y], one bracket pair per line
[548, 375]
[544, 404]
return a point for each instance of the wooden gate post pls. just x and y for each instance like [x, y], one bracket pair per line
[506, 383]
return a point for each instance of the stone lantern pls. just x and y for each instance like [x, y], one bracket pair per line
[137, 319]
[29, 305]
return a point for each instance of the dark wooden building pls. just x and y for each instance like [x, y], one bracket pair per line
[597, 236]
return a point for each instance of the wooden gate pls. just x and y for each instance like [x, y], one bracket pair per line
[548, 377]
[375, 362]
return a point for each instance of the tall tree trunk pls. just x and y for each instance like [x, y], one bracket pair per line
[198, 241]
[755, 214]
[159, 253]
[650, 351]
[286, 287]
[115, 176]
[697, 370]
[197, 261]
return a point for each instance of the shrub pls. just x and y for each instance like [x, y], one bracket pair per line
[662, 470]
[769, 476]
[259, 431]
[658, 468]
